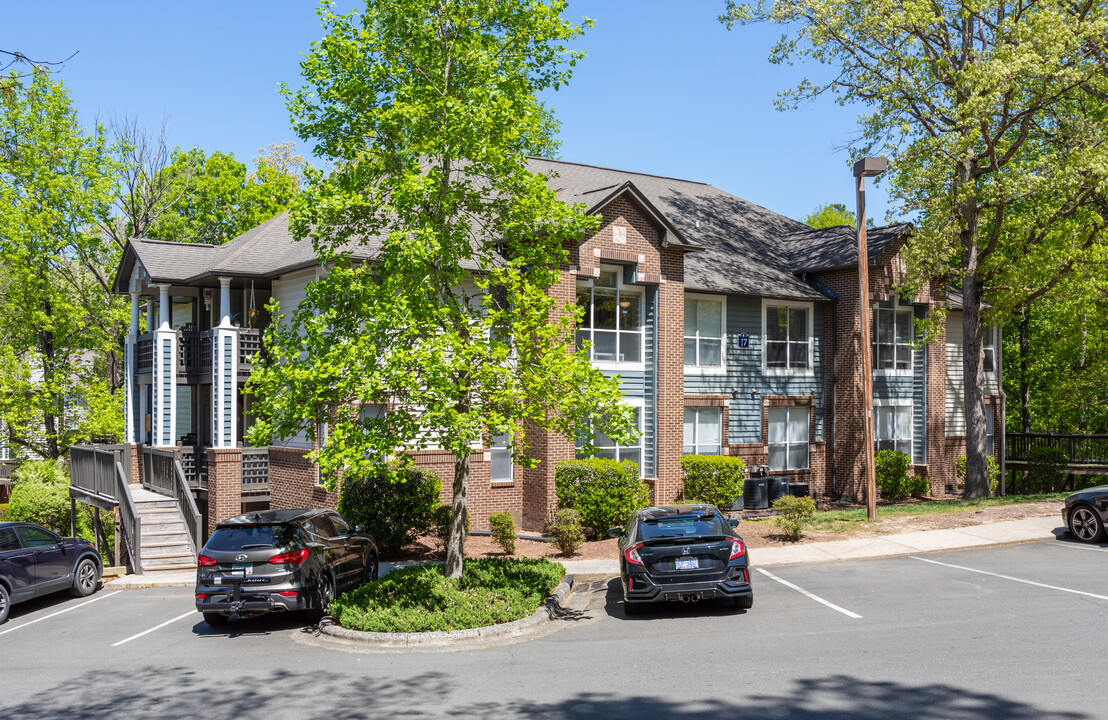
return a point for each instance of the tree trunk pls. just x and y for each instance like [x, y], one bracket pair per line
[1025, 381]
[455, 548]
[973, 384]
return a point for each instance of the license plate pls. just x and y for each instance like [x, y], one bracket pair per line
[687, 564]
[240, 570]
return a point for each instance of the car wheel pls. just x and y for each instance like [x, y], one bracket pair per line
[215, 619]
[85, 579]
[630, 608]
[372, 569]
[5, 604]
[744, 603]
[324, 594]
[1085, 524]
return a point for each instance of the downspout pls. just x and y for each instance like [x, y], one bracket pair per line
[998, 348]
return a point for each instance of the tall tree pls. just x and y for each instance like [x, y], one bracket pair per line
[56, 181]
[991, 114]
[829, 215]
[427, 110]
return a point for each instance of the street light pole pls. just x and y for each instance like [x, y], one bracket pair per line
[866, 167]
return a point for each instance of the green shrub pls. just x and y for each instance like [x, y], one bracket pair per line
[3, 512]
[892, 474]
[1046, 469]
[421, 599]
[565, 528]
[48, 472]
[918, 486]
[605, 492]
[395, 505]
[993, 470]
[713, 479]
[442, 523]
[44, 504]
[503, 527]
[795, 515]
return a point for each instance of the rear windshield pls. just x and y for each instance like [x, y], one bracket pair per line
[681, 527]
[253, 537]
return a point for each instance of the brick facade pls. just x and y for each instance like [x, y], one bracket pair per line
[224, 485]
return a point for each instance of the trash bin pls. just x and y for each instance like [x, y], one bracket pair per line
[778, 487]
[798, 489]
[755, 494]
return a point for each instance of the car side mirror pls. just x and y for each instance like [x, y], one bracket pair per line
[733, 522]
[615, 532]
[359, 528]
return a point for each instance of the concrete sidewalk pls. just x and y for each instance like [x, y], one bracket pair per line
[1001, 533]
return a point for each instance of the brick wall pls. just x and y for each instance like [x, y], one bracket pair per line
[293, 481]
[224, 485]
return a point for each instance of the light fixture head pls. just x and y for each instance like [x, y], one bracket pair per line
[870, 166]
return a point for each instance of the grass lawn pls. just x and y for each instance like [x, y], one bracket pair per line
[848, 518]
[421, 599]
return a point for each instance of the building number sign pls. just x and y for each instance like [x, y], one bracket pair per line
[743, 340]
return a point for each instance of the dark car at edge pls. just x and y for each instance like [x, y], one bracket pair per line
[35, 562]
[279, 561]
[1086, 513]
[682, 553]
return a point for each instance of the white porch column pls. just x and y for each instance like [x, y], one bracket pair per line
[164, 411]
[225, 370]
[130, 361]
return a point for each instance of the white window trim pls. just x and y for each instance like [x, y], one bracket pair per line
[322, 434]
[873, 341]
[808, 444]
[639, 403]
[897, 402]
[810, 371]
[995, 332]
[720, 369]
[696, 445]
[589, 281]
[511, 466]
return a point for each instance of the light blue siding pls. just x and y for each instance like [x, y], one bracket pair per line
[640, 384]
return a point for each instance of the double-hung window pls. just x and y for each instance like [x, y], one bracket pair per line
[988, 346]
[703, 332]
[702, 430]
[788, 337]
[501, 456]
[608, 448]
[788, 438]
[893, 430]
[612, 318]
[892, 338]
[322, 432]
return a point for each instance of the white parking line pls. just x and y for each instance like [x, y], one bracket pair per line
[47, 617]
[802, 591]
[156, 627]
[1014, 579]
[1083, 547]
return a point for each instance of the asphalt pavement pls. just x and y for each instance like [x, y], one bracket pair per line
[1003, 631]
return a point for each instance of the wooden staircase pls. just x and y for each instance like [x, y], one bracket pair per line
[165, 537]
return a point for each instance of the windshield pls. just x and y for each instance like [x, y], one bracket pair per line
[681, 526]
[253, 537]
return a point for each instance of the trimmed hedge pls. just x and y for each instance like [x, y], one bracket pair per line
[713, 479]
[565, 528]
[893, 480]
[422, 599]
[605, 492]
[395, 505]
[503, 527]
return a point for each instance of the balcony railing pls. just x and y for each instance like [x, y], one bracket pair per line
[255, 474]
[194, 351]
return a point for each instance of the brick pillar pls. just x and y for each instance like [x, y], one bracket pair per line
[670, 399]
[132, 462]
[224, 485]
[940, 465]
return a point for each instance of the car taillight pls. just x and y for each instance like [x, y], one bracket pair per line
[205, 561]
[287, 593]
[290, 558]
[632, 554]
[201, 596]
[737, 549]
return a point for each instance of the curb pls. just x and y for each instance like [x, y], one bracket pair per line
[546, 613]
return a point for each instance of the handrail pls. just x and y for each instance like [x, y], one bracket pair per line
[131, 525]
[1079, 449]
[188, 506]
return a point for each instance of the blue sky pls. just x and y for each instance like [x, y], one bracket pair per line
[665, 89]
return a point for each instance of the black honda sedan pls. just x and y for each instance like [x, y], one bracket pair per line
[35, 562]
[280, 560]
[1086, 512]
[682, 552]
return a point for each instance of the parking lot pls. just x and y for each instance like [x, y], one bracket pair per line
[1006, 632]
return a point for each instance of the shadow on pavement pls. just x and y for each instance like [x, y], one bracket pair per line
[180, 692]
[613, 605]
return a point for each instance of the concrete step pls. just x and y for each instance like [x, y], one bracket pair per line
[163, 527]
[156, 566]
[160, 516]
[148, 505]
[159, 559]
[174, 550]
[165, 540]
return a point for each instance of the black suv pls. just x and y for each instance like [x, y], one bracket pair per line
[35, 561]
[278, 560]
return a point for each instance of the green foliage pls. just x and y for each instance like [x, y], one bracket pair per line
[893, 479]
[58, 318]
[422, 599]
[395, 504]
[1045, 469]
[49, 472]
[3, 512]
[565, 528]
[44, 504]
[428, 113]
[605, 492]
[503, 527]
[442, 519]
[796, 513]
[830, 215]
[994, 472]
[713, 479]
[217, 199]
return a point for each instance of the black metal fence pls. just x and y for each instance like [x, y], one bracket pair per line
[1080, 450]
